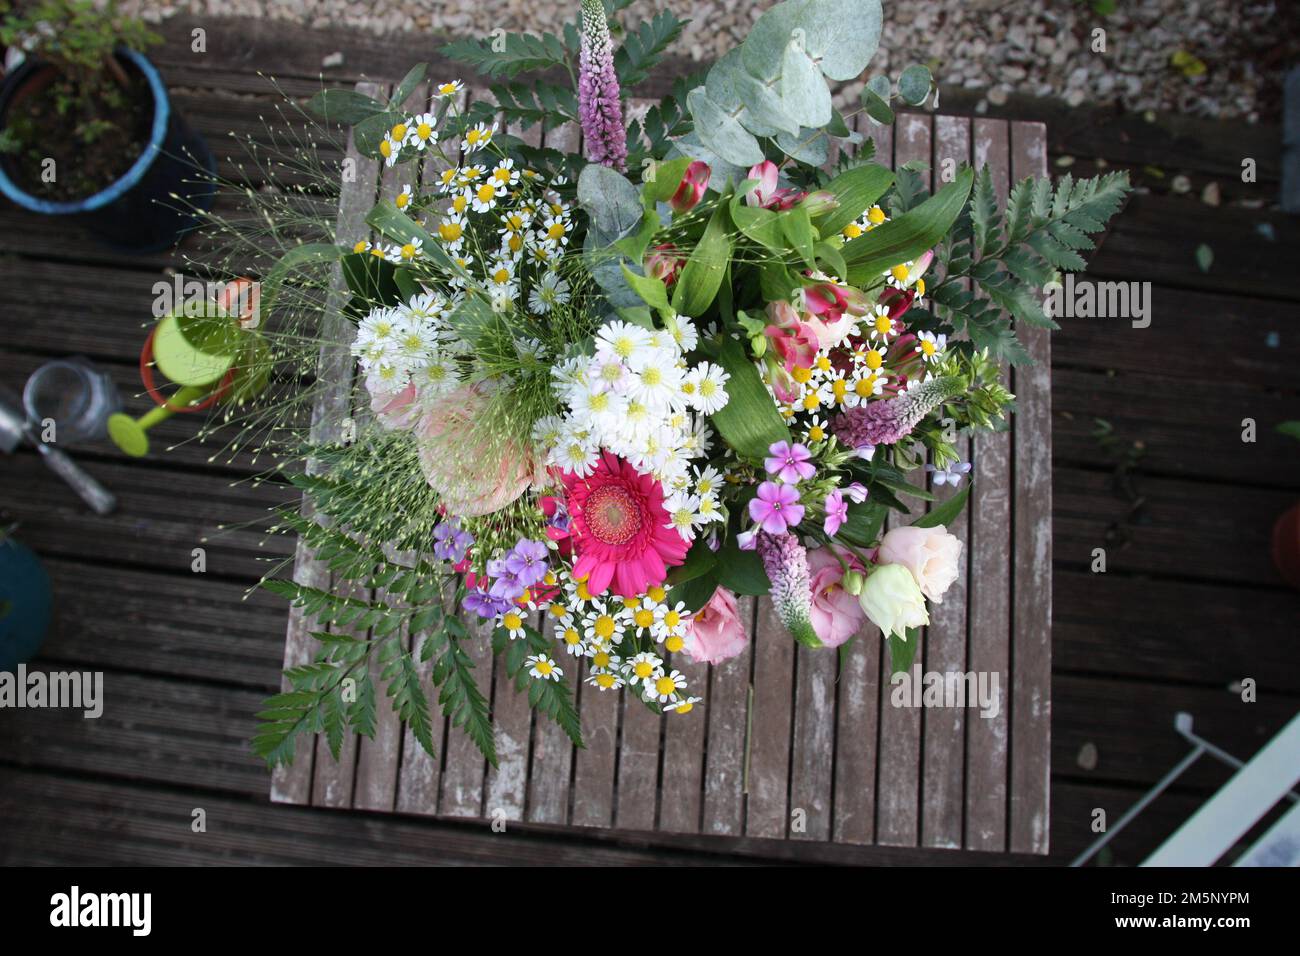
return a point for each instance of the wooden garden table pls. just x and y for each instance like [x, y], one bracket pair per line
[784, 746]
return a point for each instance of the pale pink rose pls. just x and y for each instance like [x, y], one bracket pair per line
[836, 614]
[715, 634]
[399, 409]
[931, 554]
[472, 474]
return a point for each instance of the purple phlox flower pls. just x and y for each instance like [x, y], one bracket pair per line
[559, 520]
[786, 562]
[505, 585]
[745, 540]
[483, 604]
[527, 562]
[776, 508]
[600, 108]
[837, 512]
[451, 541]
[790, 463]
[951, 475]
[857, 492]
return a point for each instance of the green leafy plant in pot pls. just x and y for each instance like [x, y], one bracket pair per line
[87, 128]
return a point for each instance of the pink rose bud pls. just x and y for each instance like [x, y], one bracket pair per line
[691, 189]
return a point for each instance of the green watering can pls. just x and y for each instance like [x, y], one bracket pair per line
[211, 350]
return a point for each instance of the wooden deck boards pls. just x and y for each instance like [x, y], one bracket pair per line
[1189, 603]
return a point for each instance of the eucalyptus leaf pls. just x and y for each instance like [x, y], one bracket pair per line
[804, 93]
[841, 36]
[693, 147]
[809, 146]
[721, 132]
[344, 106]
[875, 100]
[914, 84]
[611, 201]
[756, 105]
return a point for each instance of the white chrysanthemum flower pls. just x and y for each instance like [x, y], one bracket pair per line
[683, 514]
[478, 137]
[542, 667]
[710, 390]
[665, 687]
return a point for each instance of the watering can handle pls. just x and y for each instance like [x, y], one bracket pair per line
[87, 488]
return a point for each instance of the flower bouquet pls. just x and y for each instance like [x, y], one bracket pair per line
[602, 394]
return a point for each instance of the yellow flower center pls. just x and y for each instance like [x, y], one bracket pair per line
[399, 132]
[644, 618]
[899, 273]
[558, 610]
[402, 200]
[512, 621]
[801, 374]
[811, 401]
[600, 659]
[424, 131]
[674, 643]
[643, 669]
[920, 287]
[852, 231]
[544, 667]
[555, 231]
[459, 203]
[874, 360]
[865, 386]
[571, 636]
[656, 593]
[685, 707]
[450, 231]
[360, 246]
[604, 626]
[487, 192]
[876, 215]
[816, 433]
[927, 347]
[884, 324]
[605, 680]
[666, 685]
[386, 149]
[583, 592]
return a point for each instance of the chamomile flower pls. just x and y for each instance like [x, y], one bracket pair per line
[644, 668]
[421, 131]
[361, 247]
[484, 196]
[449, 179]
[644, 616]
[448, 90]
[708, 482]
[567, 633]
[604, 679]
[542, 667]
[670, 622]
[930, 346]
[408, 251]
[709, 509]
[683, 705]
[452, 231]
[478, 137]
[550, 292]
[881, 327]
[501, 274]
[403, 199]
[815, 430]
[665, 687]
[604, 623]
[390, 149]
[513, 622]
[504, 175]
[555, 231]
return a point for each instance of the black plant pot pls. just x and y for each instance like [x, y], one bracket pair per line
[137, 213]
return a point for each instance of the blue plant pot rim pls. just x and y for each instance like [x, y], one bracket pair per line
[114, 192]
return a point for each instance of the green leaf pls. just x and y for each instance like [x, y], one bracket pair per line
[697, 286]
[909, 235]
[721, 132]
[663, 180]
[649, 288]
[857, 190]
[696, 592]
[404, 89]
[749, 423]
[875, 100]
[700, 559]
[984, 212]
[945, 512]
[742, 571]
[611, 201]
[902, 651]
[519, 53]
[401, 228]
[914, 84]
[642, 47]
[761, 225]
[347, 107]
[797, 227]
[312, 253]
[864, 522]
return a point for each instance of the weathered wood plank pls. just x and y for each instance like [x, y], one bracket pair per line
[728, 719]
[898, 815]
[990, 563]
[638, 765]
[943, 755]
[768, 781]
[1030, 694]
[680, 803]
[813, 746]
[463, 764]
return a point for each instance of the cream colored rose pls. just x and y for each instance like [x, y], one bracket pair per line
[931, 554]
[893, 602]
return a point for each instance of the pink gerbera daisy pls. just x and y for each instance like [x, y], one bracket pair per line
[620, 529]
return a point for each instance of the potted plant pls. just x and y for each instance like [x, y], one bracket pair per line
[87, 128]
[25, 601]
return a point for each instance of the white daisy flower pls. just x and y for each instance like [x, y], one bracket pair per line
[542, 667]
[605, 679]
[683, 705]
[552, 291]
[683, 514]
[478, 137]
[421, 131]
[448, 90]
[710, 390]
[930, 346]
[644, 668]
[513, 622]
[665, 687]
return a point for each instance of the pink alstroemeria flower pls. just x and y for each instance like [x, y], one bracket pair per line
[664, 262]
[691, 189]
[766, 194]
[794, 341]
[834, 311]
